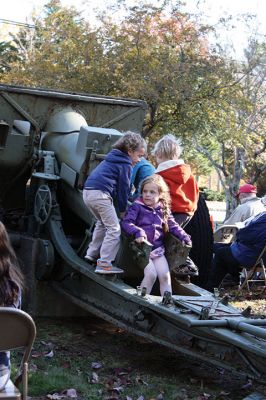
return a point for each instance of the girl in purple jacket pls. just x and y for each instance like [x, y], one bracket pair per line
[148, 219]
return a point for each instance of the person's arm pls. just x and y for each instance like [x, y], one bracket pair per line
[240, 214]
[252, 234]
[177, 231]
[128, 224]
[123, 187]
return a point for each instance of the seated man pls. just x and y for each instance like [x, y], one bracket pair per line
[244, 251]
[250, 205]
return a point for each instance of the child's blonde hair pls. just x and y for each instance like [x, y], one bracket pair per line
[130, 141]
[168, 147]
[164, 195]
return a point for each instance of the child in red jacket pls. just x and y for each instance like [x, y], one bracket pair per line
[183, 187]
[182, 184]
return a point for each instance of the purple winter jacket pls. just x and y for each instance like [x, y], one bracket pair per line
[141, 220]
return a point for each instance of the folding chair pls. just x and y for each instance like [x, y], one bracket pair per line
[225, 233]
[17, 331]
[250, 274]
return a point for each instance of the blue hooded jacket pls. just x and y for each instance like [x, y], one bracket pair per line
[250, 241]
[140, 171]
[113, 176]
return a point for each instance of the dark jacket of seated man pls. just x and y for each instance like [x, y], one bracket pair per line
[243, 252]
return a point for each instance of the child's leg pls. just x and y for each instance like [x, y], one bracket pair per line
[97, 239]
[150, 276]
[111, 240]
[162, 269]
[106, 235]
[90, 198]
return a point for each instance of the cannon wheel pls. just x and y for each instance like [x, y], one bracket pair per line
[43, 204]
[200, 230]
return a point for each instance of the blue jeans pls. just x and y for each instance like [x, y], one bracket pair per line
[223, 263]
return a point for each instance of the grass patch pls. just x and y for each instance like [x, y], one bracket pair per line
[54, 380]
[254, 298]
[101, 361]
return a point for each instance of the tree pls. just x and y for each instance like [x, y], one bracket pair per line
[8, 55]
[241, 139]
[151, 55]
[255, 118]
[57, 53]
[162, 58]
[157, 54]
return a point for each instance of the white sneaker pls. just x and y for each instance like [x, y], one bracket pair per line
[90, 259]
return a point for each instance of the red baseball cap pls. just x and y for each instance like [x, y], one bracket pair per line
[247, 188]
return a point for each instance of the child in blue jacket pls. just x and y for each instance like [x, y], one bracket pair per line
[148, 219]
[140, 171]
[110, 181]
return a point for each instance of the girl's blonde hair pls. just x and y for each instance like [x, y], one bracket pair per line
[164, 196]
[130, 141]
[168, 147]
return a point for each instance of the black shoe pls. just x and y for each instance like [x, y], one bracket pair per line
[230, 281]
[185, 270]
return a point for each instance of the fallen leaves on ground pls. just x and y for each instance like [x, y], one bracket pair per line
[67, 393]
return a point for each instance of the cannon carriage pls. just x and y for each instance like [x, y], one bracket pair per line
[49, 143]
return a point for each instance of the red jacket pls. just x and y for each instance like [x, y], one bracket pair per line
[183, 187]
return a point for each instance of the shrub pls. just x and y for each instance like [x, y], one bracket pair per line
[211, 195]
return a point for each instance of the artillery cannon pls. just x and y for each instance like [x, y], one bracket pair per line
[49, 142]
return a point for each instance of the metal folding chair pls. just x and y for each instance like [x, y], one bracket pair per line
[225, 233]
[251, 275]
[17, 331]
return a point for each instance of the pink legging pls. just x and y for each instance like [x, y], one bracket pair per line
[158, 267]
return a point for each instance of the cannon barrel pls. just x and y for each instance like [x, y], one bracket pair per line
[77, 153]
[28, 115]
